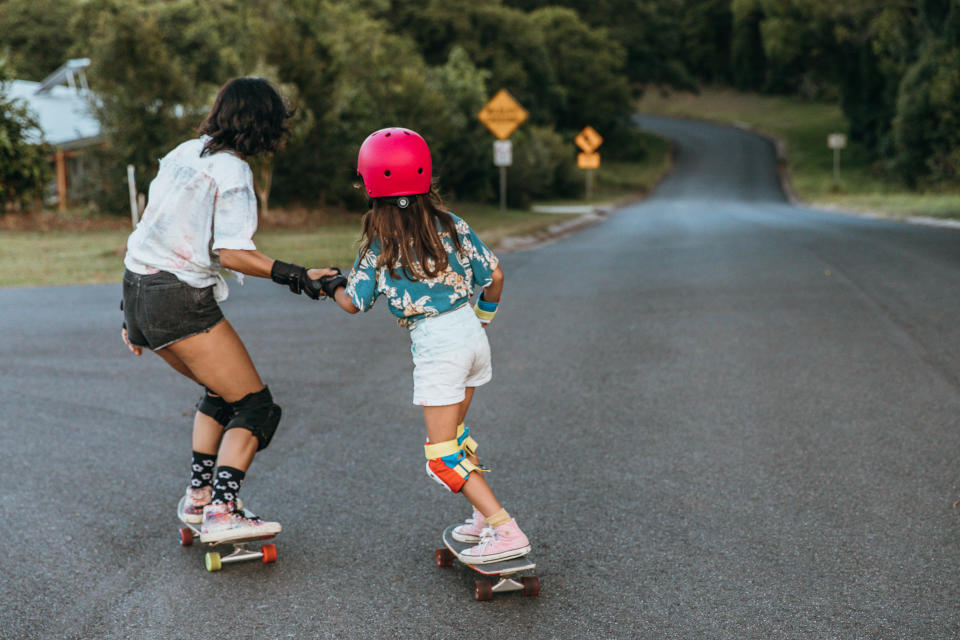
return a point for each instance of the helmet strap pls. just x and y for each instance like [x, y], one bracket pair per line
[401, 202]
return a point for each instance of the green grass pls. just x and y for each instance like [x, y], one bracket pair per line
[39, 258]
[35, 258]
[804, 127]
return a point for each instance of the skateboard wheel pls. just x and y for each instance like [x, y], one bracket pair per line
[531, 585]
[269, 552]
[444, 557]
[483, 590]
[186, 537]
[212, 561]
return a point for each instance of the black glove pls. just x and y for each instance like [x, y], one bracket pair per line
[295, 277]
[330, 284]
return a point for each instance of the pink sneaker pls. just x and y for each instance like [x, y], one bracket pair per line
[191, 505]
[503, 543]
[223, 523]
[472, 531]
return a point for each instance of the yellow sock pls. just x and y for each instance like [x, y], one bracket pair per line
[499, 518]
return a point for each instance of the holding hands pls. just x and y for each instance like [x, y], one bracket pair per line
[316, 283]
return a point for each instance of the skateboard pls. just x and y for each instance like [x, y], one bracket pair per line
[213, 561]
[504, 571]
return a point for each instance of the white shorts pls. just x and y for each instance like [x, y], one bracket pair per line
[450, 353]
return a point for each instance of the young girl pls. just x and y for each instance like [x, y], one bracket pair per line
[201, 216]
[426, 261]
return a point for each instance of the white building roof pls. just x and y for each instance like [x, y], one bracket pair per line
[63, 112]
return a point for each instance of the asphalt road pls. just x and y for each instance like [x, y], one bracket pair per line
[716, 415]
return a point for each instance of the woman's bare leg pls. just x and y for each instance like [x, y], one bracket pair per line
[218, 360]
[207, 432]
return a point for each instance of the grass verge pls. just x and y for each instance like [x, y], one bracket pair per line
[804, 127]
[76, 249]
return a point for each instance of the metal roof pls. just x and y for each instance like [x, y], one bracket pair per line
[63, 112]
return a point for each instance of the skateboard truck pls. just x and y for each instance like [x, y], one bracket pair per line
[504, 571]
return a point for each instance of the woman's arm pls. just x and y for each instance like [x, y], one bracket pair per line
[252, 263]
[255, 263]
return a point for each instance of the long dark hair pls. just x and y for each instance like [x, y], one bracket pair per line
[410, 235]
[247, 117]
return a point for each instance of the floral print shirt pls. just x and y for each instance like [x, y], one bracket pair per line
[412, 300]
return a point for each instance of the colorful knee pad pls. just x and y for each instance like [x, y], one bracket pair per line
[447, 461]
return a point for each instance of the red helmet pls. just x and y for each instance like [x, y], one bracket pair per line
[394, 162]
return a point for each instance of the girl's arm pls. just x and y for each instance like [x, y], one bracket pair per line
[341, 298]
[493, 290]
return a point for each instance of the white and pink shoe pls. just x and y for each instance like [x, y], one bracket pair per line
[223, 522]
[472, 530]
[503, 543]
[190, 508]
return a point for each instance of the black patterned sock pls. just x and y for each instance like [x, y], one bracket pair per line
[226, 484]
[202, 469]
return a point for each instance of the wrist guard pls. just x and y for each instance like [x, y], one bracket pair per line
[485, 310]
[330, 284]
[295, 277]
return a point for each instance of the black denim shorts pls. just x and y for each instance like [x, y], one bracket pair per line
[159, 309]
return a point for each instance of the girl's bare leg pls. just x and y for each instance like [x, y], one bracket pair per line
[218, 360]
[442, 426]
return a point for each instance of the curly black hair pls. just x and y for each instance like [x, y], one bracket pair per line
[248, 117]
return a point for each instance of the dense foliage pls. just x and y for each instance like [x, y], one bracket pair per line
[352, 66]
[24, 164]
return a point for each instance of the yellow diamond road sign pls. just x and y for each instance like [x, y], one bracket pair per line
[588, 139]
[502, 114]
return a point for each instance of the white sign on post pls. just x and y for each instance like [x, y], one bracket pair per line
[502, 153]
[836, 141]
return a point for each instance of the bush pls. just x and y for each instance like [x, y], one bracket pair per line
[24, 158]
[543, 166]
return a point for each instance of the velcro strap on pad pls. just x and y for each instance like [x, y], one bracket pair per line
[441, 449]
[468, 444]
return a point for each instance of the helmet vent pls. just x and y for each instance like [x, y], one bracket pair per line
[387, 173]
[420, 170]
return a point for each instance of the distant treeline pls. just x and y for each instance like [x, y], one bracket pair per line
[352, 66]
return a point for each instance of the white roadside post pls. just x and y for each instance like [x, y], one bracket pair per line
[836, 141]
[134, 205]
[503, 158]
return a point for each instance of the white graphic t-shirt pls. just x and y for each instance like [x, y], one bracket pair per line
[196, 206]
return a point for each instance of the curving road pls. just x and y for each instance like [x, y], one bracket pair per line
[716, 414]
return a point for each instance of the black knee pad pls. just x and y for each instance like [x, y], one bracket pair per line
[215, 407]
[256, 413]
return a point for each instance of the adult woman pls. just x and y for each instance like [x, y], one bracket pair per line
[201, 217]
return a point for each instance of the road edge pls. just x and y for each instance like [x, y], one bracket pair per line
[511, 244]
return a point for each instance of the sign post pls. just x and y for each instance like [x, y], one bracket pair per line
[836, 141]
[502, 115]
[589, 141]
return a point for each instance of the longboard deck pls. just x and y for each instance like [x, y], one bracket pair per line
[504, 567]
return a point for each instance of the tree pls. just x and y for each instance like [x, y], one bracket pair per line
[24, 158]
[36, 35]
[589, 68]
[748, 62]
[155, 69]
